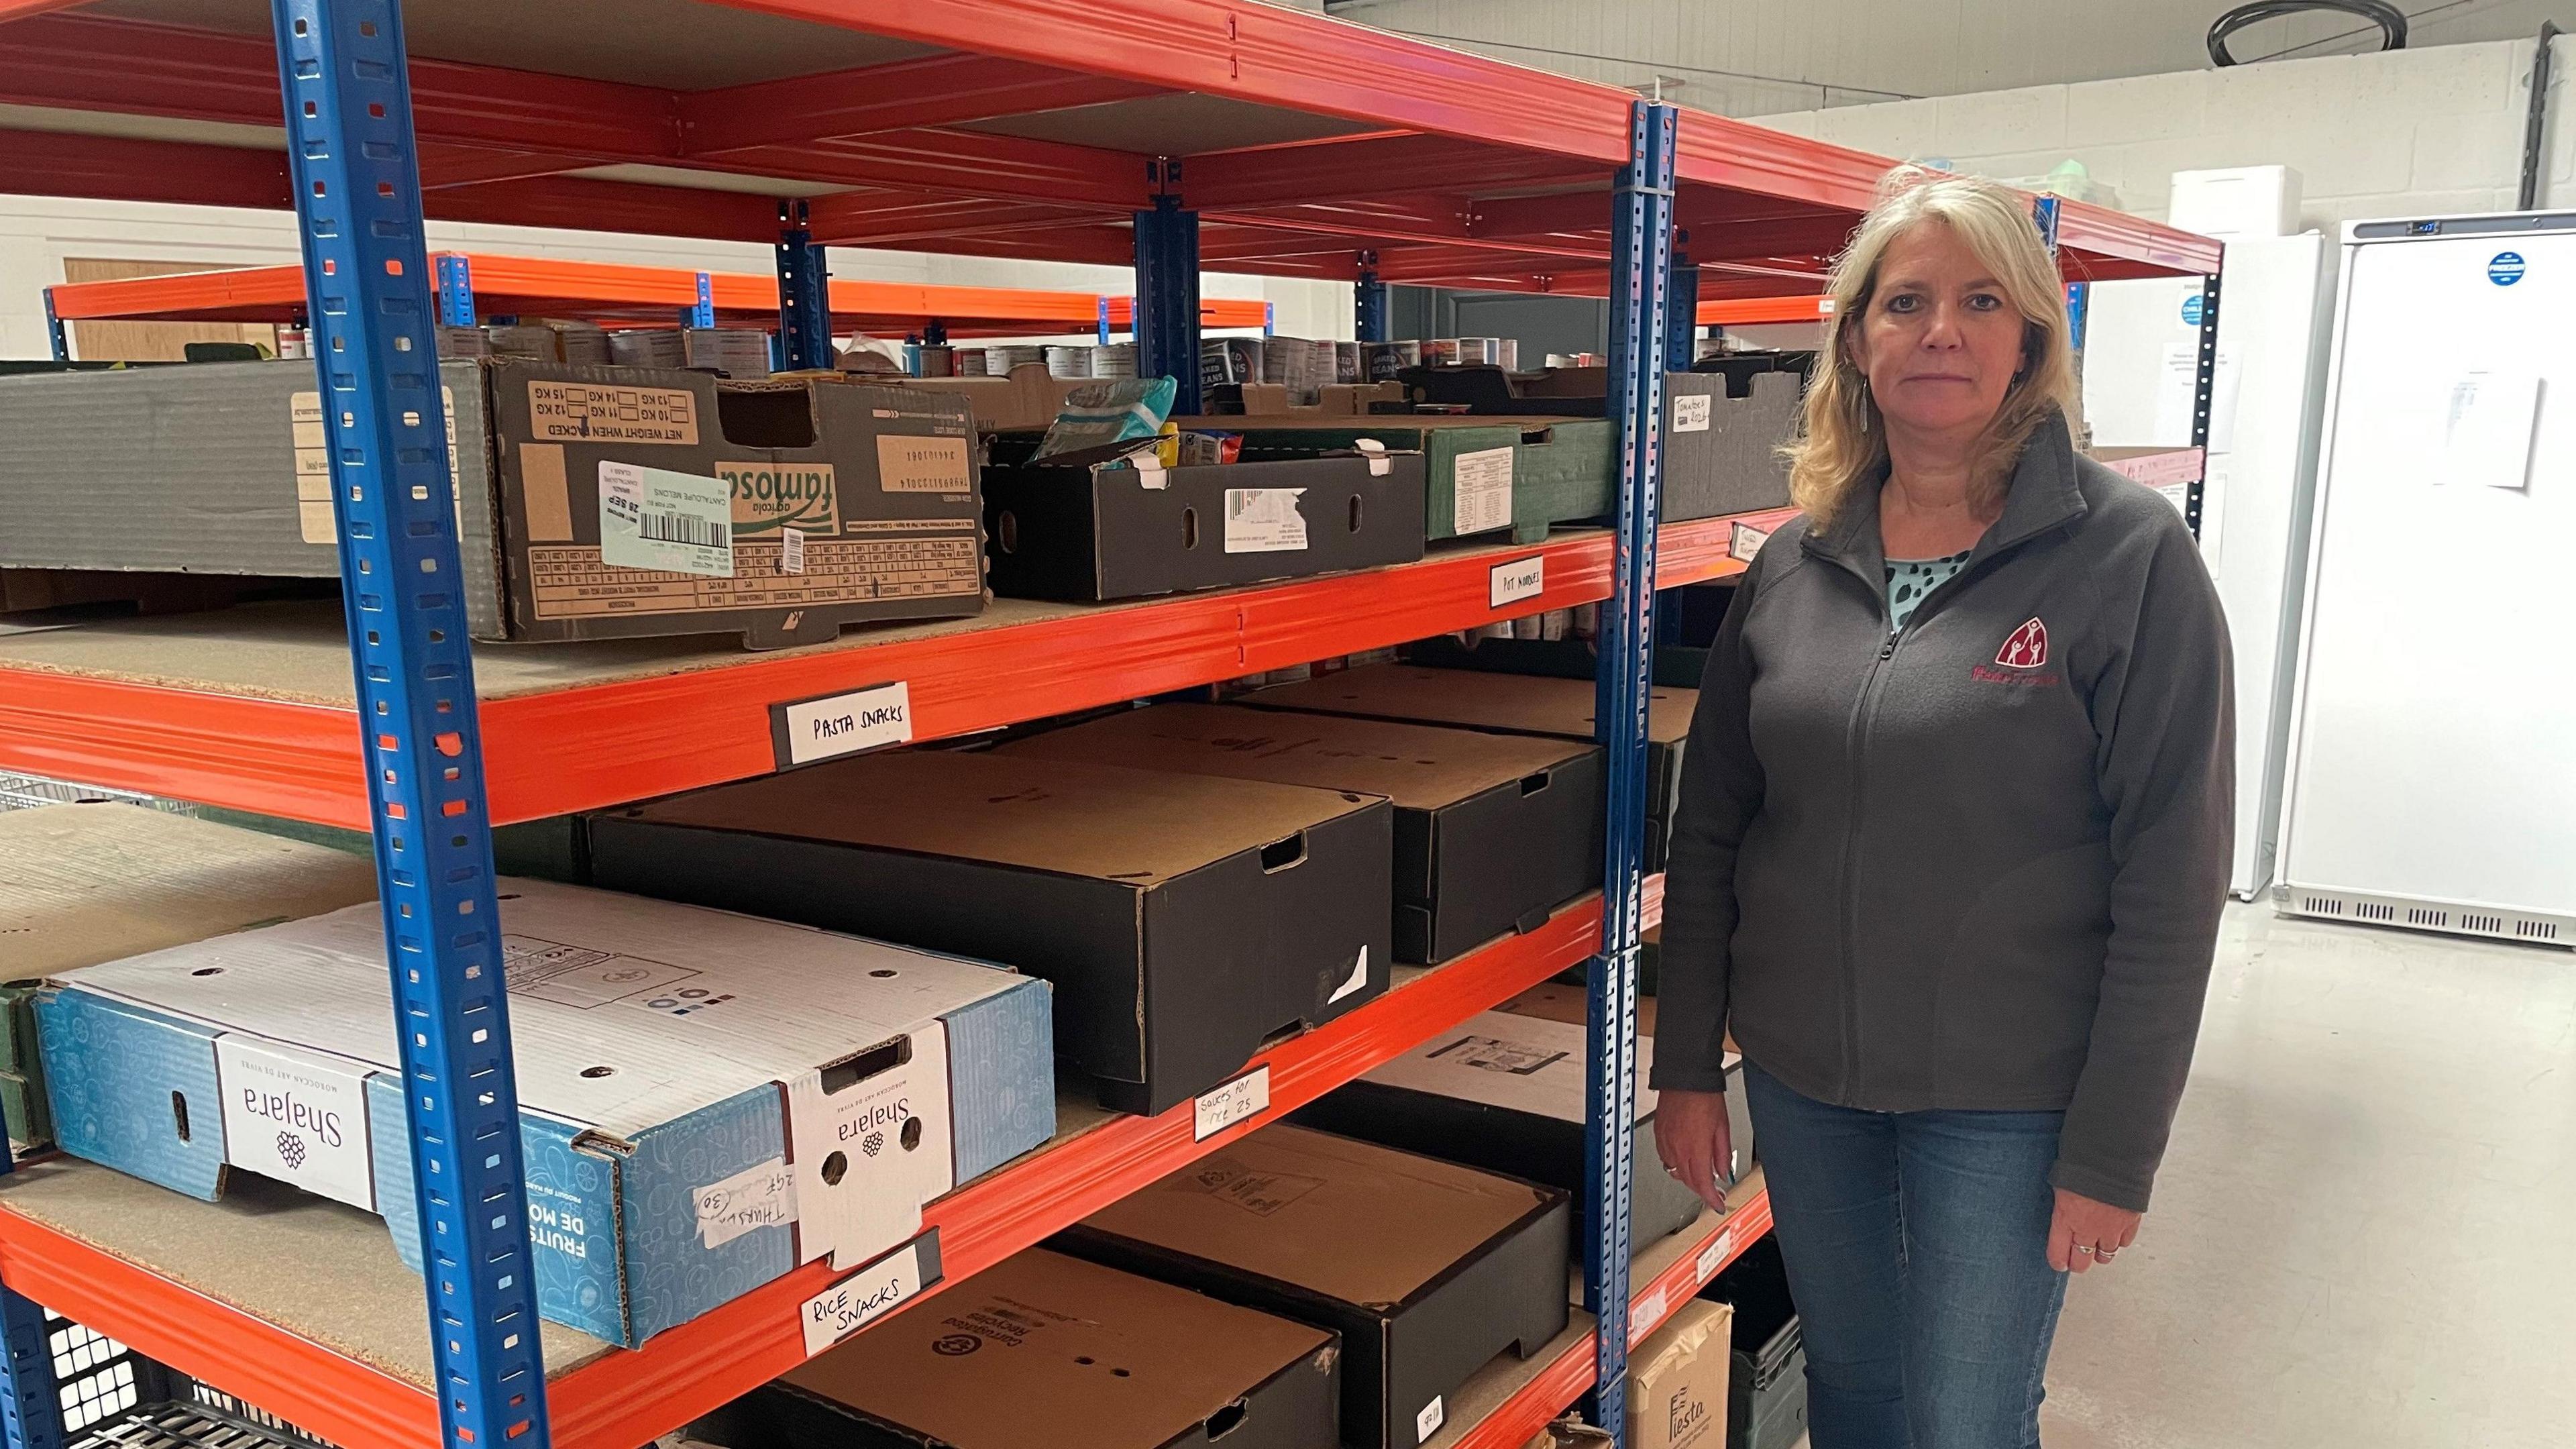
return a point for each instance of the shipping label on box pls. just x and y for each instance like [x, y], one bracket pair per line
[1524, 1063]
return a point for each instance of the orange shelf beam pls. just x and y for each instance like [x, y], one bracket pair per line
[595, 746]
[545, 286]
[1754, 311]
[1214, 312]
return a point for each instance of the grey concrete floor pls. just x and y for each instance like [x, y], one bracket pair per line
[2365, 1230]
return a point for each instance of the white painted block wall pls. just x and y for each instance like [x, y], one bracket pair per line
[37, 233]
[2408, 132]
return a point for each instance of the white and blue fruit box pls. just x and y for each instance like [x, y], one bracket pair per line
[706, 1100]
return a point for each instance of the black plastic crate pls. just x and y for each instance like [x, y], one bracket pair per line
[1766, 1392]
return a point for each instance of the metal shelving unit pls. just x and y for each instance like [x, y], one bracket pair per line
[1170, 134]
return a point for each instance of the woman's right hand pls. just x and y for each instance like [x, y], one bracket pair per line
[1692, 1138]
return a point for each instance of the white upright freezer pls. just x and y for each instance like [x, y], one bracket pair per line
[2141, 361]
[2433, 739]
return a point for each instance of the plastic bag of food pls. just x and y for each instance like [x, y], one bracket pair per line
[1108, 412]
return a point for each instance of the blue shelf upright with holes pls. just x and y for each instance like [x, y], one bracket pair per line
[358, 212]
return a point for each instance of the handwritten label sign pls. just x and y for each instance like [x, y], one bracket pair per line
[862, 1298]
[1522, 578]
[1714, 1256]
[1222, 1106]
[807, 730]
[756, 1197]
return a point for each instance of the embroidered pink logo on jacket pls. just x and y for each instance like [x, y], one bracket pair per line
[2026, 649]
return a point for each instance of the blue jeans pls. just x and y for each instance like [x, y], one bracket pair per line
[1917, 1249]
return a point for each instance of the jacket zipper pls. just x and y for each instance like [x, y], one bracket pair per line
[1856, 742]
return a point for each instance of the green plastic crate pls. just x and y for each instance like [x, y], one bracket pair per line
[22, 1073]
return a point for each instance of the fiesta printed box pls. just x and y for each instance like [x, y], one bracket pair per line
[593, 502]
[706, 1100]
[1102, 1359]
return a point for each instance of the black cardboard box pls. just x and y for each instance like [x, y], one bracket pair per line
[1043, 1349]
[1722, 440]
[1561, 1000]
[1184, 919]
[1507, 704]
[1492, 832]
[1426, 1269]
[1089, 532]
[1505, 1092]
[225, 469]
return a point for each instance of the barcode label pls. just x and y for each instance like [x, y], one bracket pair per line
[653, 518]
[682, 528]
[791, 550]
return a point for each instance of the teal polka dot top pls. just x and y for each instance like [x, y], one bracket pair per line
[1909, 579]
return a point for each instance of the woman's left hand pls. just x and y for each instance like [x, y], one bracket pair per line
[2084, 1232]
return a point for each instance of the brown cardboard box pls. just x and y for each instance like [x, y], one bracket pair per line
[1428, 1270]
[877, 485]
[1028, 397]
[1677, 1380]
[1492, 832]
[1042, 1349]
[225, 469]
[1184, 919]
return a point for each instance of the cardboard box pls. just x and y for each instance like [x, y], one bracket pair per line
[1677, 1380]
[98, 881]
[224, 469]
[1506, 704]
[1427, 1270]
[706, 1100]
[1046, 1349]
[1132, 528]
[1722, 439]
[1340, 399]
[1492, 832]
[1563, 1001]
[1184, 919]
[1028, 396]
[1486, 473]
[1505, 1093]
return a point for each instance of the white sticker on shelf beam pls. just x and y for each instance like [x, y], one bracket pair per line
[862, 1298]
[1744, 541]
[1222, 1106]
[1714, 1256]
[834, 725]
[1481, 491]
[1645, 1316]
[1522, 578]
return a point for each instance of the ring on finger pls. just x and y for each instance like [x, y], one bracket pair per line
[2079, 1247]
[2106, 1254]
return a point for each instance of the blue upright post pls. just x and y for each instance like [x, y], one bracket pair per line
[1167, 291]
[1369, 302]
[2079, 298]
[1104, 316]
[455, 290]
[703, 314]
[1641, 267]
[1681, 318]
[2043, 214]
[357, 200]
[1269, 319]
[54, 330]
[804, 296]
[31, 1405]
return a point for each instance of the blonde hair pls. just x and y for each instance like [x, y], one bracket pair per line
[1843, 440]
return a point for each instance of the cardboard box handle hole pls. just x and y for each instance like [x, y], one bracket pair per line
[1285, 854]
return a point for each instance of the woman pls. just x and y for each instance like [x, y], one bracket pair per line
[1953, 839]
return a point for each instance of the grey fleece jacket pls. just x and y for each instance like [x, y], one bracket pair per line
[1978, 864]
